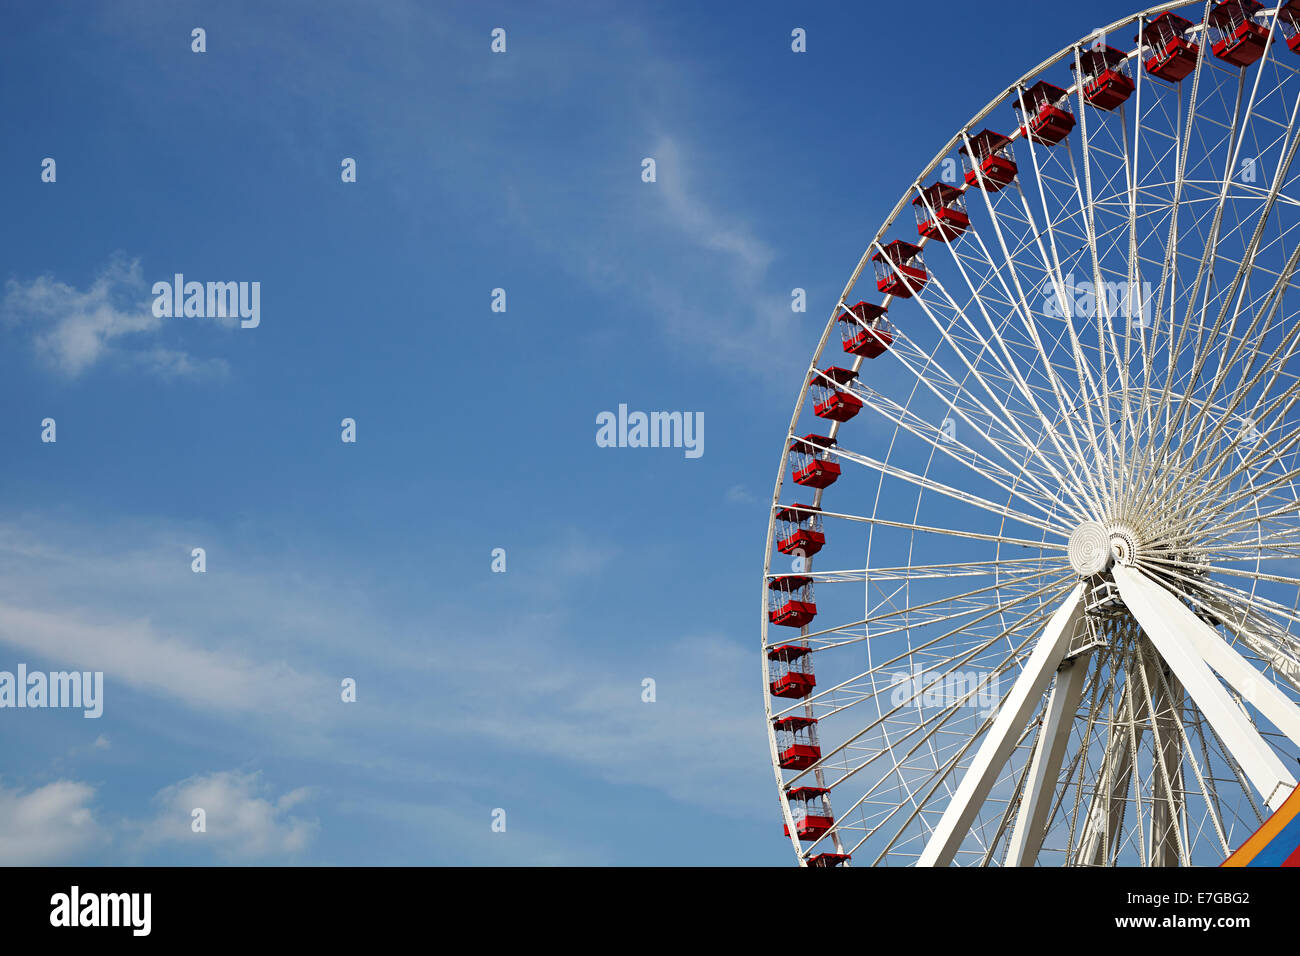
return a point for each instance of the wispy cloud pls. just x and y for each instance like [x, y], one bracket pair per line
[712, 288]
[740, 495]
[538, 692]
[133, 653]
[697, 741]
[722, 298]
[75, 329]
[690, 214]
[455, 835]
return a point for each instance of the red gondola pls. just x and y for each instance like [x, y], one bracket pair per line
[1105, 77]
[799, 529]
[1044, 117]
[1236, 34]
[1173, 56]
[812, 468]
[941, 213]
[796, 742]
[791, 671]
[829, 395]
[900, 270]
[829, 859]
[810, 808]
[865, 330]
[1288, 21]
[989, 163]
[790, 602]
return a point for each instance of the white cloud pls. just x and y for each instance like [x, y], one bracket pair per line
[51, 824]
[244, 820]
[75, 329]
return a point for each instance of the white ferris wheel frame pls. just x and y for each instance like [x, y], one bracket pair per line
[1192, 649]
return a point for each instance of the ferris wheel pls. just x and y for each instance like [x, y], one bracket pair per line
[1032, 585]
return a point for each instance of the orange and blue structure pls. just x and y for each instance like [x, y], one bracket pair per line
[1277, 842]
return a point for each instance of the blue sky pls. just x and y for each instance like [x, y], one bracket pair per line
[476, 430]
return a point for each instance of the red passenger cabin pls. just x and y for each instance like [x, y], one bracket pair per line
[812, 468]
[865, 330]
[1044, 117]
[1236, 34]
[790, 604]
[791, 672]
[989, 163]
[796, 742]
[941, 213]
[1288, 21]
[900, 270]
[829, 859]
[799, 530]
[1105, 77]
[810, 809]
[1173, 56]
[829, 396]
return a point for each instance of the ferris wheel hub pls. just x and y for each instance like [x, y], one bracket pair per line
[1095, 548]
[1123, 545]
[1090, 549]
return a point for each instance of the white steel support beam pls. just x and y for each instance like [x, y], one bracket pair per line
[1245, 679]
[1165, 621]
[1007, 727]
[1031, 819]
